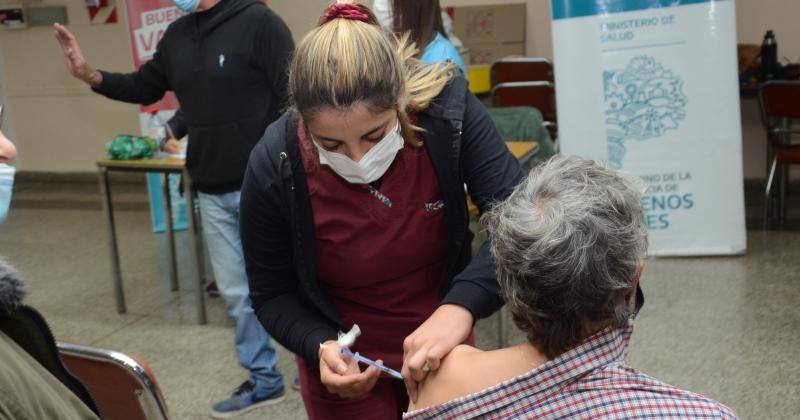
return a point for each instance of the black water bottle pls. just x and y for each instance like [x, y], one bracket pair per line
[769, 57]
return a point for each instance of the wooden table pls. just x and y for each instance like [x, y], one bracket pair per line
[522, 150]
[164, 166]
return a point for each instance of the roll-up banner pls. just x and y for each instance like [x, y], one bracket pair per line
[147, 21]
[651, 88]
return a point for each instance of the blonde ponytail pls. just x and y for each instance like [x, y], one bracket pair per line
[423, 81]
[348, 59]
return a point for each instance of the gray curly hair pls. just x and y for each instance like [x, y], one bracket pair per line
[567, 244]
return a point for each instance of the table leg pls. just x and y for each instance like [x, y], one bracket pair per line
[105, 190]
[197, 247]
[173, 265]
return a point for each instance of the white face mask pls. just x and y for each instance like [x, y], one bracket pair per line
[372, 165]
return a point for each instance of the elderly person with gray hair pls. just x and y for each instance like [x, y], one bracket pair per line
[569, 246]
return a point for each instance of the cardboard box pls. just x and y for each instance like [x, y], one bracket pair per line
[501, 23]
[489, 53]
[491, 32]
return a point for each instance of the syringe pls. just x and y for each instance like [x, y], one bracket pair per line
[380, 367]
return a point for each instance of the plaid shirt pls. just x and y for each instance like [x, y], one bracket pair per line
[590, 381]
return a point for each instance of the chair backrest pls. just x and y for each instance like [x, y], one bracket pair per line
[540, 95]
[123, 386]
[521, 69]
[779, 101]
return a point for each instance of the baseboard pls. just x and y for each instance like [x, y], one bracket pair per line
[76, 177]
[758, 184]
[750, 184]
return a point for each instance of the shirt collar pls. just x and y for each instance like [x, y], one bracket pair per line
[606, 347]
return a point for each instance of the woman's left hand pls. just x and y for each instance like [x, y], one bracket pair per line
[341, 374]
[424, 349]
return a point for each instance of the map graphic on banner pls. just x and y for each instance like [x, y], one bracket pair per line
[643, 100]
[147, 22]
[650, 87]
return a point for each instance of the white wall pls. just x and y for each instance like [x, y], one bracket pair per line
[301, 19]
[753, 19]
[59, 125]
[537, 23]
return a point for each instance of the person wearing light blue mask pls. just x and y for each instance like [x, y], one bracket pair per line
[226, 61]
[7, 153]
[186, 6]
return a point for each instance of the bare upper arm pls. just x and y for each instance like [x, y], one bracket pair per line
[451, 380]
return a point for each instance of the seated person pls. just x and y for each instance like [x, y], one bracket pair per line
[569, 245]
[33, 382]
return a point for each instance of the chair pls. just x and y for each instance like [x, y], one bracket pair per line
[521, 124]
[780, 104]
[540, 95]
[123, 386]
[521, 69]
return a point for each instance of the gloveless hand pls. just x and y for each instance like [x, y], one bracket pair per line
[425, 348]
[173, 146]
[73, 57]
[341, 375]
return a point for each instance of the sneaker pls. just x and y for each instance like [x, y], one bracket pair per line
[244, 399]
[296, 383]
[212, 290]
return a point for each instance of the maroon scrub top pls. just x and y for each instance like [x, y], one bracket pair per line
[380, 254]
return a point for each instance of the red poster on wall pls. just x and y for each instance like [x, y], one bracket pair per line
[147, 21]
[102, 12]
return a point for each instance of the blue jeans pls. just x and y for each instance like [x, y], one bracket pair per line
[220, 215]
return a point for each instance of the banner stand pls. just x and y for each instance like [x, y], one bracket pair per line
[651, 88]
[147, 22]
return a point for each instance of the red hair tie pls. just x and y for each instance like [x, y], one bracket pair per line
[345, 11]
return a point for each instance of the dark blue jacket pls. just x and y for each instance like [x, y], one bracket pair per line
[277, 228]
[228, 68]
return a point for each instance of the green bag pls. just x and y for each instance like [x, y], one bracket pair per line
[127, 147]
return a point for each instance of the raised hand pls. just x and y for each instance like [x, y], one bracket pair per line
[73, 57]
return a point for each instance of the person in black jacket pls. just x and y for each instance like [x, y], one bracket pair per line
[354, 211]
[34, 383]
[226, 61]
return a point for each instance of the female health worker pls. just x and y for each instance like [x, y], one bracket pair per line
[353, 211]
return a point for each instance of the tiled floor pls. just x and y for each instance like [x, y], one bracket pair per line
[728, 327]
